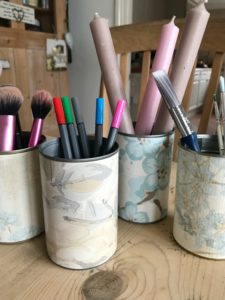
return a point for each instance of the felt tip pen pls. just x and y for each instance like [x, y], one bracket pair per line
[114, 126]
[81, 128]
[189, 137]
[70, 126]
[64, 136]
[99, 119]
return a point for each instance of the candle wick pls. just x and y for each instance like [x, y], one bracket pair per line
[96, 15]
[173, 18]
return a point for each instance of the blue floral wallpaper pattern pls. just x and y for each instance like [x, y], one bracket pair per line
[144, 172]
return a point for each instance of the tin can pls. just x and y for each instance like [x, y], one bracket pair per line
[199, 220]
[80, 199]
[21, 210]
[144, 173]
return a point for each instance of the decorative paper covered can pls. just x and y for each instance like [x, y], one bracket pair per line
[199, 220]
[144, 173]
[21, 209]
[80, 200]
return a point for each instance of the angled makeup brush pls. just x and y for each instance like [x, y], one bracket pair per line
[11, 99]
[41, 105]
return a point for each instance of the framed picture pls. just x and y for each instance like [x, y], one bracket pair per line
[56, 54]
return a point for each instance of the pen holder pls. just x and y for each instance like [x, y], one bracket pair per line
[199, 219]
[21, 211]
[80, 199]
[144, 172]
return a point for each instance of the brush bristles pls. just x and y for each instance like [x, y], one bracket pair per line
[41, 104]
[11, 99]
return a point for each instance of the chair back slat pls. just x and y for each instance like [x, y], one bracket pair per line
[145, 69]
[212, 87]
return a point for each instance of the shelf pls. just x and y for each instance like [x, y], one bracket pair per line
[52, 20]
[39, 9]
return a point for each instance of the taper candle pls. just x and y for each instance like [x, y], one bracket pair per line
[184, 60]
[110, 69]
[162, 61]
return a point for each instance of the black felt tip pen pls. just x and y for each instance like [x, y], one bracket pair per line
[114, 126]
[67, 152]
[70, 126]
[81, 128]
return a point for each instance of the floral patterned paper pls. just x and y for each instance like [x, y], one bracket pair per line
[199, 221]
[21, 210]
[144, 172]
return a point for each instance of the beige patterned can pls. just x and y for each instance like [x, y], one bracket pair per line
[199, 220]
[80, 207]
[21, 210]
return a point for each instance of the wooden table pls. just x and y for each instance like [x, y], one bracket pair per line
[148, 264]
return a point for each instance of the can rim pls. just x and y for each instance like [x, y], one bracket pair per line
[168, 133]
[24, 150]
[48, 143]
[203, 153]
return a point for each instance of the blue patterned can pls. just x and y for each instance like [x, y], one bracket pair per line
[144, 173]
[80, 199]
[199, 219]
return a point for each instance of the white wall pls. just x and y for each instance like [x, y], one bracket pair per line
[150, 10]
[84, 71]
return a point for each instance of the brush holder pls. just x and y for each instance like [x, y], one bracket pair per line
[21, 211]
[199, 219]
[80, 198]
[144, 172]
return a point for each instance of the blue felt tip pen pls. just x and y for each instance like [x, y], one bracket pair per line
[99, 119]
[189, 137]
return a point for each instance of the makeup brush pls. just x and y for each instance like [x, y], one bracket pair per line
[11, 99]
[41, 105]
[189, 136]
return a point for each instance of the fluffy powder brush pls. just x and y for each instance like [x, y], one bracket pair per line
[11, 99]
[41, 105]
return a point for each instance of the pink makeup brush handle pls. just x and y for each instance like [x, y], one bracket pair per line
[7, 132]
[35, 132]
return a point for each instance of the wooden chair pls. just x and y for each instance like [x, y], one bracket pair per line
[144, 37]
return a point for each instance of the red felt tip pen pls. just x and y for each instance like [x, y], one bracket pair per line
[64, 136]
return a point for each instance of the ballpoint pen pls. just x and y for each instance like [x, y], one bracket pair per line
[99, 116]
[114, 126]
[70, 126]
[189, 137]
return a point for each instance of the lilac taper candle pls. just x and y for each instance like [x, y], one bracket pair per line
[110, 69]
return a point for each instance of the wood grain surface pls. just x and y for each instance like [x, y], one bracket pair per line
[148, 264]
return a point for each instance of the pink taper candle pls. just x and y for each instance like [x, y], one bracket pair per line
[110, 69]
[162, 61]
[191, 38]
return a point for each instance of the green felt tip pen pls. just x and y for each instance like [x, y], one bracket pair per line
[71, 128]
